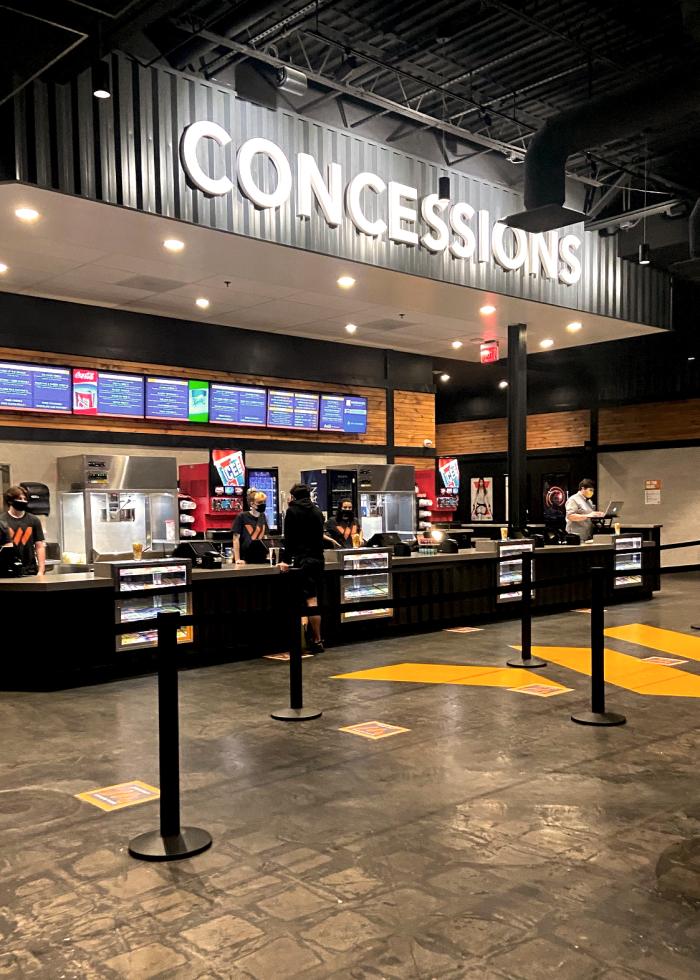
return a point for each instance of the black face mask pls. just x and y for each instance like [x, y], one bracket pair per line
[261, 508]
[19, 504]
[346, 516]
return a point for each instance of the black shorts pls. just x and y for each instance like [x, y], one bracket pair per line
[311, 576]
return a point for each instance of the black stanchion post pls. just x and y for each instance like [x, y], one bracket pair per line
[598, 715]
[296, 710]
[172, 842]
[526, 659]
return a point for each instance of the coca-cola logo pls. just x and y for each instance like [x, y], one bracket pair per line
[79, 375]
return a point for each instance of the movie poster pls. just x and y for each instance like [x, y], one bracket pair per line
[555, 490]
[482, 498]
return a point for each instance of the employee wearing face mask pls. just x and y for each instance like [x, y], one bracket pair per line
[580, 510]
[342, 528]
[249, 531]
[24, 531]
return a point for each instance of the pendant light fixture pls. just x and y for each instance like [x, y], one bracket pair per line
[101, 84]
[444, 188]
[644, 251]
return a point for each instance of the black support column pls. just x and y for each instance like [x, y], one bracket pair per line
[517, 427]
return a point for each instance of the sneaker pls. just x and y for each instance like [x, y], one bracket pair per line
[314, 647]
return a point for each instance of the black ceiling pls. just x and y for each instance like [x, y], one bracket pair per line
[483, 75]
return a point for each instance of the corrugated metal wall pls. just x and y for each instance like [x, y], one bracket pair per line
[126, 151]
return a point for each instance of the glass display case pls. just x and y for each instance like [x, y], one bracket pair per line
[142, 590]
[365, 576]
[628, 560]
[510, 567]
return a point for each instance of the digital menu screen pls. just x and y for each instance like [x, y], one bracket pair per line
[237, 405]
[266, 480]
[34, 388]
[343, 413]
[177, 400]
[104, 393]
[292, 409]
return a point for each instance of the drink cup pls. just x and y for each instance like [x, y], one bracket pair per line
[616, 525]
[137, 550]
[504, 534]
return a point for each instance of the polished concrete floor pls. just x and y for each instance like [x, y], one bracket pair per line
[494, 839]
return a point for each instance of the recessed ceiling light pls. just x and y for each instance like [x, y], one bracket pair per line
[101, 93]
[456, 344]
[26, 214]
[173, 244]
[487, 310]
[3, 268]
[346, 282]
[546, 343]
[574, 326]
[444, 377]
[351, 327]
[502, 384]
[202, 302]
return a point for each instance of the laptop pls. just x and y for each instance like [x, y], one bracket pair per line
[613, 509]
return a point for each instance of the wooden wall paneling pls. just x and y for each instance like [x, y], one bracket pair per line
[655, 422]
[554, 430]
[376, 434]
[414, 418]
[420, 462]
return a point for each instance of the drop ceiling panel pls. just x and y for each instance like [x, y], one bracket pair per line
[94, 253]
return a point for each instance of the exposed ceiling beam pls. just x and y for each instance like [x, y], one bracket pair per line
[632, 217]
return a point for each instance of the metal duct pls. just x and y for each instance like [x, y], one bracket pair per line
[230, 24]
[611, 117]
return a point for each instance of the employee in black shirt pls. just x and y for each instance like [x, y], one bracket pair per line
[342, 528]
[303, 549]
[25, 531]
[249, 531]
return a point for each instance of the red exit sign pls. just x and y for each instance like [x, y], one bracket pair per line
[489, 352]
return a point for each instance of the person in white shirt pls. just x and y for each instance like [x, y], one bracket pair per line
[580, 510]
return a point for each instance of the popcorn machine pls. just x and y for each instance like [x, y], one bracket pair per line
[107, 504]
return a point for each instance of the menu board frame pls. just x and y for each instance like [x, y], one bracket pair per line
[39, 366]
[293, 391]
[343, 395]
[107, 415]
[192, 384]
[239, 386]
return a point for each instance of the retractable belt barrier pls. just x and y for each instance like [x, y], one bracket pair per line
[173, 842]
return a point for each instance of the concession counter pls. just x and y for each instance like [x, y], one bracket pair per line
[242, 608]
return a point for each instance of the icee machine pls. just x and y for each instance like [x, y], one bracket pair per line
[107, 504]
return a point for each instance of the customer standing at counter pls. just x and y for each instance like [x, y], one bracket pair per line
[343, 528]
[580, 510]
[303, 549]
[25, 531]
[249, 530]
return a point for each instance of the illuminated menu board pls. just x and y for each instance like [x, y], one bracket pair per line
[343, 413]
[237, 405]
[104, 393]
[292, 409]
[177, 400]
[34, 388]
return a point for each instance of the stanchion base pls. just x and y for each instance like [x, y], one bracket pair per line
[521, 662]
[695, 626]
[296, 714]
[153, 847]
[598, 718]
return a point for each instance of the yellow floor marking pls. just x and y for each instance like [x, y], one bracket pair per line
[626, 672]
[447, 674]
[117, 797]
[666, 641]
